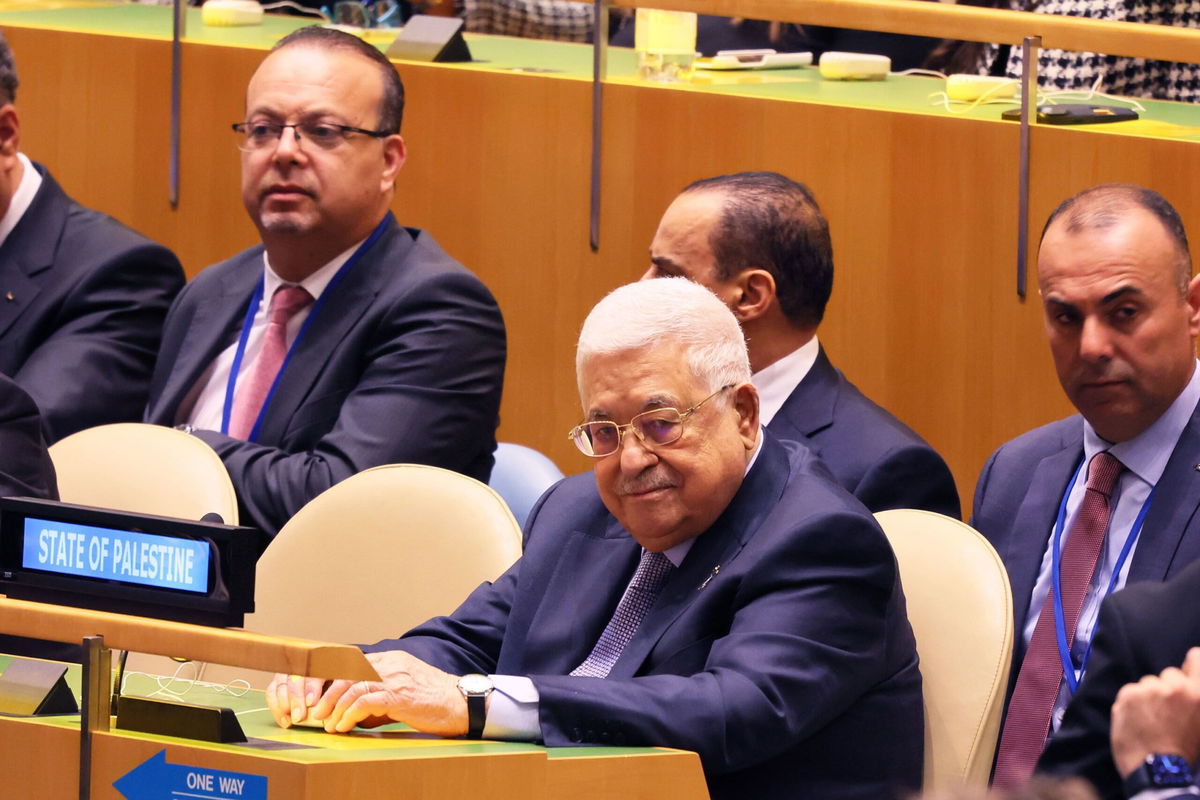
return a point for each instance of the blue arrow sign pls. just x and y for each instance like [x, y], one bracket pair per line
[155, 779]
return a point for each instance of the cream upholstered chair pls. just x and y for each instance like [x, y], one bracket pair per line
[960, 607]
[377, 554]
[148, 469]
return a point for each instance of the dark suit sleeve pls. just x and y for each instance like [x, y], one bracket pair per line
[1081, 747]
[93, 367]
[913, 476]
[806, 641]
[428, 393]
[25, 467]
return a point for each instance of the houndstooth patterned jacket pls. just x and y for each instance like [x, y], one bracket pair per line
[1135, 77]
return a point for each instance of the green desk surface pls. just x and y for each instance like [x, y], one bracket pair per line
[899, 93]
[388, 742]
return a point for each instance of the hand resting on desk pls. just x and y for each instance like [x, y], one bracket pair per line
[411, 692]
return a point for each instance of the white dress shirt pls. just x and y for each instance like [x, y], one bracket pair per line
[776, 382]
[204, 404]
[31, 181]
[1145, 457]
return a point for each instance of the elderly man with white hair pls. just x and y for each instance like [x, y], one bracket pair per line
[709, 588]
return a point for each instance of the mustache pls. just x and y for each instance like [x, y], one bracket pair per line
[648, 481]
[1108, 371]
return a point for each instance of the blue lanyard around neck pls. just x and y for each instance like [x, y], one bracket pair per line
[248, 323]
[1060, 625]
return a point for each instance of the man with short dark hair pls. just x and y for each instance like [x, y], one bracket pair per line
[344, 341]
[759, 241]
[1080, 507]
[708, 587]
[84, 297]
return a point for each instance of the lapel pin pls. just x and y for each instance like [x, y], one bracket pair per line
[711, 575]
[9, 298]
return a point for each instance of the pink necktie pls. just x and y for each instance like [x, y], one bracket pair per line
[285, 304]
[1028, 718]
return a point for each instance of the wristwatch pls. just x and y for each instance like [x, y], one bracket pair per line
[475, 688]
[1159, 771]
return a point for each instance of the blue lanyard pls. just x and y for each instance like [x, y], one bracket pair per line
[248, 323]
[1060, 625]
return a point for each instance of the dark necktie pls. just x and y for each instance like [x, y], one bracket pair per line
[648, 580]
[248, 402]
[1028, 718]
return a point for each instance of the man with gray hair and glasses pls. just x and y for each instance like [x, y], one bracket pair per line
[344, 341]
[709, 588]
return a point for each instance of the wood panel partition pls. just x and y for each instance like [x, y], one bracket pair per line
[922, 208]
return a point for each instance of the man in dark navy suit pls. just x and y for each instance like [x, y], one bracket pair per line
[1121, 312]
[345, 340]
[759, 241]
[708, 587]
[82, 297]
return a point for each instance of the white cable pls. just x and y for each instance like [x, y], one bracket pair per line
[237, 687]
[316, 12]
[1058, 96]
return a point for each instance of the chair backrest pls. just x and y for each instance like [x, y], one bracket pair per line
[380, 552]
[521, 475]
[960, 607]
[149, 469]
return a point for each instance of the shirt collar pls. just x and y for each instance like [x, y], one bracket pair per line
[31, 181]
[1146, 454]
[775, 382]
[315, 283]
[677, 553]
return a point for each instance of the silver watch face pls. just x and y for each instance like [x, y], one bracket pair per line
[475, 684]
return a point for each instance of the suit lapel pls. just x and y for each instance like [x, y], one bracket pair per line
[343, 309]
[1173, 510]
[718, 546]
[809, 408]
[213, 326]
[589, 578]
[1026, 545]
[29, 250]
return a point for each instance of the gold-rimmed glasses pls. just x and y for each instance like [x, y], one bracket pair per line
[658, 426]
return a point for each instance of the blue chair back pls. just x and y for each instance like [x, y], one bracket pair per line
[520, 476]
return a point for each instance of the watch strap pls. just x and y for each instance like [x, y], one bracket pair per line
[476, 715]
[1159, 771]
[475, 689]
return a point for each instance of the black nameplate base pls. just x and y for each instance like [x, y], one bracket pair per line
[185, 720]
[427, 38]
[36, 688]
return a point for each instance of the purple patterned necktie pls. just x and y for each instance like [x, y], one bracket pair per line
[1028, 717]
[248, 402]
[647, 581]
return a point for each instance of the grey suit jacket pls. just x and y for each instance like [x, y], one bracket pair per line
[1020, 488]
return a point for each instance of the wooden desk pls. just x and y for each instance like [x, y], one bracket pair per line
[922, 204]
[39, 759]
